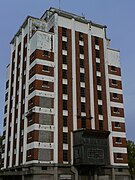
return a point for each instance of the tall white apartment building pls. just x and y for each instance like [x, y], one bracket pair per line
[64, 114]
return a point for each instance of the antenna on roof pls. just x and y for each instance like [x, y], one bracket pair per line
[59, 4]
[83, 15]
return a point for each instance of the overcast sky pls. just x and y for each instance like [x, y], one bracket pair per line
[117, 15]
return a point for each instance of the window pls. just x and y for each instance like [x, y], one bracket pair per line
[97, 66]
[31, 102]
[65, 104]
[113, 68]
[96, 40]
[64, 45]
[65, 119]
[116, 110]
[7, 84]
[83, 122]
[6, 96]
[45, 68]
[82, 63]
[99, 95]
[5, 110]
[64, 88]
[46, 53]
[64, 74]
[118, 140]
[81, 49]
[29, 153]
[100, 109]
[117, 124]
[65, 155]
[80, 36]
[64, 59]
[44, 167]
[114, 82]
[65, 138]
[82, 77]
[97, 53]
[5, 121]
[82, 91]
[82, 107]
[64, 31]
[119, 155]
[100, 125]
[115, 96]
[45, 84]
[98, 80]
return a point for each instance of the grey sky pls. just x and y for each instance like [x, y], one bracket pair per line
[118, 15]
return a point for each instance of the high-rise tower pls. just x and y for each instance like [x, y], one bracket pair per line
[64, 115]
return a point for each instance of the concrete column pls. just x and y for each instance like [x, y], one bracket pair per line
[55, 173]
[22, 177]
[113, 174]
[95, 174]
[74, 170]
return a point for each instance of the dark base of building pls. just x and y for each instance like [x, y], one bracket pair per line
[64, 172]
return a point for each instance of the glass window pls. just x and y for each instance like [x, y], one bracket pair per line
[82, 90]
[65, 137]
[65, 155]
[82, 77]
[64, 45]
[81, 49]
[65, 106]
[64, 59]
[97, 53]
[99, 95]
[80, 36]
[64, 88]
[45, 68]
[64, 31]
[96, 40]
[98, 80]
[64, 74]
[100, 109]
[82, 107]
[83, 122]
[65, 121]
[82, 63]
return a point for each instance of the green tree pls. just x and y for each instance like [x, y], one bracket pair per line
[131, 157]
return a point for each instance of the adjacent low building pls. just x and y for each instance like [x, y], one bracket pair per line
[64, 114]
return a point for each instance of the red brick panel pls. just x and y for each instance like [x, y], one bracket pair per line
[38, 85]
[33, 119]
[70, 106]
[60, 104]
[103, 84]
[120, 113]
[122, 160]
[118, 99]
[38, 69]
[118, 84]
[116, 72]
[118, 129]
[87, 82]
[33, 102]
[78, 80]
[119, 144]
[33, 136]
[39, 54]
[32, 154]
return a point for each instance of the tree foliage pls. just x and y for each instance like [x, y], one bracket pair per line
[131, 157]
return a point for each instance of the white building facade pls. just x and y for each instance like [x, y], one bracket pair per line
[64, 114]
